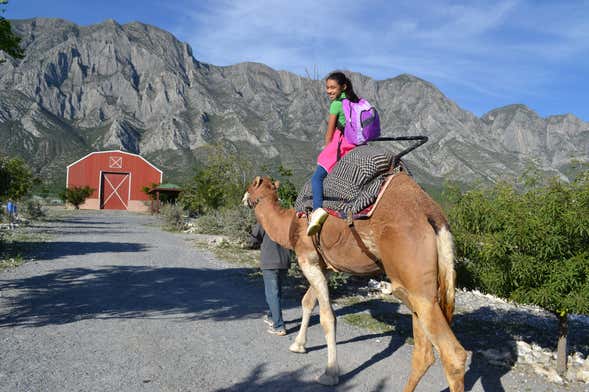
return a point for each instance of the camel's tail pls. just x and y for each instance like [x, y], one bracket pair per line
[446, 273]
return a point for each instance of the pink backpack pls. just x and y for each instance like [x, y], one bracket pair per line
[362, 121]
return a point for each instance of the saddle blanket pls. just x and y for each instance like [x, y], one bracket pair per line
[353, 184]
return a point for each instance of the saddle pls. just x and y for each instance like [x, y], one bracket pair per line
[354, 184]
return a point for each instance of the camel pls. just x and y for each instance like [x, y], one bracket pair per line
[409, 234]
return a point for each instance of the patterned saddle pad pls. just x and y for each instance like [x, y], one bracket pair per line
[354, 182]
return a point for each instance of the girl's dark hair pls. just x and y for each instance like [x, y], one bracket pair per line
[342, 79]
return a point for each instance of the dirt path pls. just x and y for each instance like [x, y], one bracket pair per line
[112, 303]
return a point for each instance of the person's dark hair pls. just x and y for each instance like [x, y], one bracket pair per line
[342, 79]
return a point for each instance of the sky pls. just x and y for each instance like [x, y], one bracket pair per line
[481, 54]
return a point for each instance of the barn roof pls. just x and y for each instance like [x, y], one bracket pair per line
[112, 151]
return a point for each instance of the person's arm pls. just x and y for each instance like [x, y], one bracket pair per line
[331, 122]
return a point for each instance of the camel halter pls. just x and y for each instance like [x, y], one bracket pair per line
[254, 203]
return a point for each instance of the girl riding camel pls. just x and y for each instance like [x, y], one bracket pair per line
[338, 87]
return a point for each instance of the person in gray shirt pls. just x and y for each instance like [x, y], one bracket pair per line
[274, 262]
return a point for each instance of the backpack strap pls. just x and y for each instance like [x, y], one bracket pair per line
[347, 109]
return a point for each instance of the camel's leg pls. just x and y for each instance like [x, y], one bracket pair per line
[423, 356]
[318, 282]
[308, 304]
[435, 326]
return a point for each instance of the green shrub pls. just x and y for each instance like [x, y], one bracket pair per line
[526, 242]
[531, 246]
[235, 222]
[33, 209]
[287, 191]
[173, 217]
[209, 223]
[16, 178]
[76, 195]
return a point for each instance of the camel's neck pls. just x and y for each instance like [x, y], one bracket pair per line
[276, 221]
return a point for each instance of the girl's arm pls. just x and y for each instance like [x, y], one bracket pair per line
[331, 121]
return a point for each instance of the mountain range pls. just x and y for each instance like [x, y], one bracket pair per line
[137, 88]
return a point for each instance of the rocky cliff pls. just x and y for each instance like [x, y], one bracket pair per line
[138, 88]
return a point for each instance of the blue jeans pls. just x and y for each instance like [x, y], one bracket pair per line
[273, 279]
[317, 186]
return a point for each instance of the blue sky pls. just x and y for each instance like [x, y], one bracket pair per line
[481, 54]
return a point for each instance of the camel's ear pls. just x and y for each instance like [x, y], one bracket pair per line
[276, 184]
[257, 181]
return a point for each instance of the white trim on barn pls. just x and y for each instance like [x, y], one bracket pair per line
[111, 151]
[100, 189]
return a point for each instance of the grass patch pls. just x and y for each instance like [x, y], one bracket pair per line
[350, 300]
[17, 245]
[381, 314]
[255, 275]
[12, 262]
[231, 253]
[366, 321]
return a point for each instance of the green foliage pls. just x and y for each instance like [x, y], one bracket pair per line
[146, 189]
[220, 182]
[76, 195]
[173, 216]
[33, 209]
[337, 280]
[526, 242]
[47, 189]
[16, 178]
[9, 42]
[235, 222]
[287, 191]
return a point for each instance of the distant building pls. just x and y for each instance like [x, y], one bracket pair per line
[118, 179]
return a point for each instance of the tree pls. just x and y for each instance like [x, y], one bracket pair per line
[529, 245]
[220, 182]
[76, 195]
[287, 192]
[9, 42]
[16, 178]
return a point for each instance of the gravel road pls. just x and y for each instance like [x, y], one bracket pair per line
[113, 303]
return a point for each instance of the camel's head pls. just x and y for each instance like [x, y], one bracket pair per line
[262, 188]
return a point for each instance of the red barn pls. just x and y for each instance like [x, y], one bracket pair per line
[117, 178]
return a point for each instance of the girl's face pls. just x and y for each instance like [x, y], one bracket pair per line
[333, 89]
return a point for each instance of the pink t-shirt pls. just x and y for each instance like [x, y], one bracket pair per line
[328, 156]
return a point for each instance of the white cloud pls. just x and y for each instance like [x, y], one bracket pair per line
[504, 50]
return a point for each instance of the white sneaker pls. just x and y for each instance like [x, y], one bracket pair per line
[317, 218]
[268, 320]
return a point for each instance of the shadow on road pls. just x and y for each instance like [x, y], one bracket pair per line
[58, 249]
[129, 292]
[291, 381]
[82, 221]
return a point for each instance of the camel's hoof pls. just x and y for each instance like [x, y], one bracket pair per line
[326, 379]
[297, 348]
